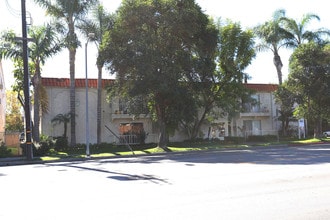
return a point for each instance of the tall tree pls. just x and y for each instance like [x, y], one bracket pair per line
[297, 32]
[45, 44]
[272, 37]
[218, 78]
[309, 80]
[100, 22]
[150, 49]
[68, 14]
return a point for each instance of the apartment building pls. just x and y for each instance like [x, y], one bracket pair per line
[118, 126]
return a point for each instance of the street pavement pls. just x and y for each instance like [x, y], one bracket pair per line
[253, 183]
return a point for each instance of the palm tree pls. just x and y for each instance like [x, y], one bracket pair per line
[45, 44]
[63, 118]
[101, 22]
[272, 37]
[297, 32]
[67, 15]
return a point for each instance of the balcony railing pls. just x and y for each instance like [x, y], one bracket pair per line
[256, 112]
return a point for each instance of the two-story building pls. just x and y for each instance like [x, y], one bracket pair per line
[118, 126]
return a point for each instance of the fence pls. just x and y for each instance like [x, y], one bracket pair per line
[12, 141]
[132, 139]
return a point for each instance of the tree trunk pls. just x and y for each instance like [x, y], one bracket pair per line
[36, 106]
[36, 111]
[278, 64]
[318, 127]
[162, 142]
[72, 57]
[99, 103]
[199, 122]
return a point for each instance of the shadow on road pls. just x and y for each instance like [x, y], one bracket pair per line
[113, 175]
[294, 155]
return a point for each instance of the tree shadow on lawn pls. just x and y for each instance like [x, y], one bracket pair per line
[300, 155]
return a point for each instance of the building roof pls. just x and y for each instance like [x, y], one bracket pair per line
[262, 87]
[80, 83]
[92, 83]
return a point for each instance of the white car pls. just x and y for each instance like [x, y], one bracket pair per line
[326, 134]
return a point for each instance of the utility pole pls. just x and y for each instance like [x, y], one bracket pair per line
[28, 134]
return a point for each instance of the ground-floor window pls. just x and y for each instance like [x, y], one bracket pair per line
[132, 133]
[217, 130]
[252, 127]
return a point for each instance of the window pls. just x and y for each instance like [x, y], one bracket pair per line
[132, 133]
[252, 127]
[252, 104]
[218, 130]
[137, 105]
[123, 106]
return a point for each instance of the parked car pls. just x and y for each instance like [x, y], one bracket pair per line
[326, 134]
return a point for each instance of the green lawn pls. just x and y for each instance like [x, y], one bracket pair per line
[173, 147]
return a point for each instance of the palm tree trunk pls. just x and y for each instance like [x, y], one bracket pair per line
[99, 101]
[278, 64]
[36, 107]
[72, 57]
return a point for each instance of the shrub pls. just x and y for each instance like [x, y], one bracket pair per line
[4, 151]
[234, 140]
[262, 138]
[61, 143]
[44, 147]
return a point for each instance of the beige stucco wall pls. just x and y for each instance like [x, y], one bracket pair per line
[59, 103]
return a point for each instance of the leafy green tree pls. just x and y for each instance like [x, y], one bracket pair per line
[151, 49]
[218, 78]
[286, 99]
[45, 44]
[67, 15]
[100, 22]
[14, 119]
[309, 80]
[272, 37]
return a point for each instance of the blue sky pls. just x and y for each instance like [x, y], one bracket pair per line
[248, 13]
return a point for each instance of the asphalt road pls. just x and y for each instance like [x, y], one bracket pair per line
[260, 183]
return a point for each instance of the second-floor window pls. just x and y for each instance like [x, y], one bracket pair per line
[126, 106]
[123, 105]
[252, 104]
